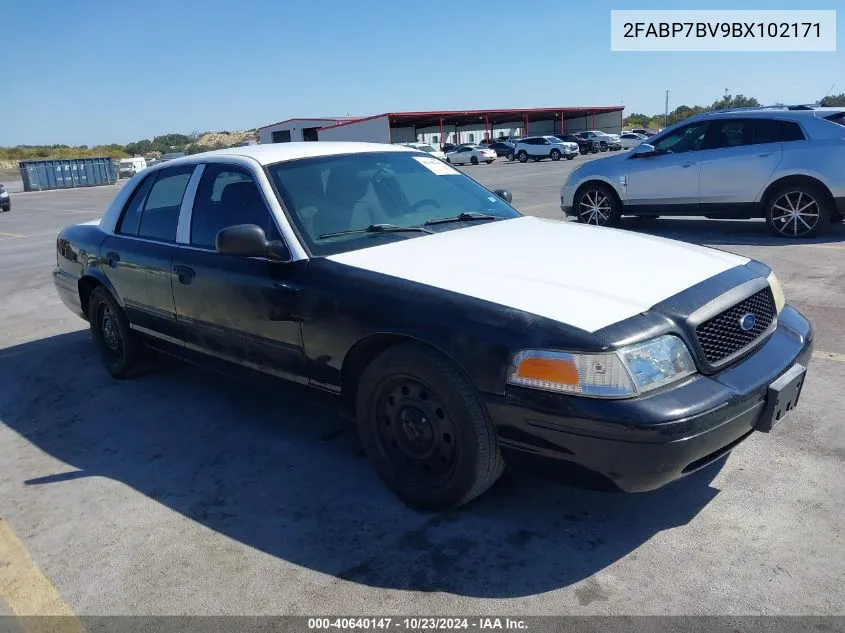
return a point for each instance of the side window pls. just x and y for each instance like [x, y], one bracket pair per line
[729, 133]
[773, 131]
[131, 218]
[226, 196]
[161, 208]
[685, 139]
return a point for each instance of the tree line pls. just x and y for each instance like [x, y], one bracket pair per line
[163, 144]
[654, 122]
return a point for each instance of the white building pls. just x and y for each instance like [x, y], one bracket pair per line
[448, 126]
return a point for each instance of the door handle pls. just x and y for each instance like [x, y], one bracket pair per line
[287, 287]
[112, 259]
[186, 275]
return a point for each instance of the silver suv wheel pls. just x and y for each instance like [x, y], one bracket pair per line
[795, 212]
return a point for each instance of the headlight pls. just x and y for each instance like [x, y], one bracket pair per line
[777, 292]
[624, 373]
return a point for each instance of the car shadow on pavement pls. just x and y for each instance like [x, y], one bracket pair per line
[725, 232]
[287, 478]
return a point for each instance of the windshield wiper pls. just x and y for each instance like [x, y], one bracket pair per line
[470, 216]
[378, 228]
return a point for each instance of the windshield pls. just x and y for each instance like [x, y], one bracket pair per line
[331, 194]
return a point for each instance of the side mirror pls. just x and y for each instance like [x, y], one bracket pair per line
[504, 194]
[243, 240]
[642, 150]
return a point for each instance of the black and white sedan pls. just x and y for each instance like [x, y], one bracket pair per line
[452, 327]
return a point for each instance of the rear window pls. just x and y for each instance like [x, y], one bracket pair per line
[774, 131]
[837, 117]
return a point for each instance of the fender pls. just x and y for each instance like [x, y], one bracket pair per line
[94, 272]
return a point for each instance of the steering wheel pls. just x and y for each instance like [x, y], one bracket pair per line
[425, 201]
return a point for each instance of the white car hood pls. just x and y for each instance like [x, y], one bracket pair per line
[585, 276]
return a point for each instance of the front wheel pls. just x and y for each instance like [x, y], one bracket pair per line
[522, 156]
[796, 211]
[570, 157]
[554, 154]
[597, 205]
[425, 430]
[603, 146]
[7, 207]
[119, 348]
[488, 161]
[474, 160]
[510, 156]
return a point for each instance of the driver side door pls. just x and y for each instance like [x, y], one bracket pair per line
[241, 310]
[668, 181]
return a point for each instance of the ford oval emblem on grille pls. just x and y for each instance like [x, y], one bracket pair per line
[747, 321]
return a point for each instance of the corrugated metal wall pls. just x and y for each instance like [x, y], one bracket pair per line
[38, 175]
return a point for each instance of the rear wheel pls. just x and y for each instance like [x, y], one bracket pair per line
[474, 160]
[119, 348]
[489, 161]
[596, 204]
[570, 157]
[510, 156]
[522, 156]
[425, 430]
[554, 154]
[796, 211]
[603, 146]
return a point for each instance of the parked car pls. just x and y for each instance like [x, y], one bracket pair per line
[264, 262]
[447, 147]
[128, 167]
[643, 131]
[785, 166]
[593, 143]
[171, 156]
[502, 148]
[604, 141]
[585, 146]
[425, 147]
[630, 140]
[539, 147]
[5, 199]
[470, 153]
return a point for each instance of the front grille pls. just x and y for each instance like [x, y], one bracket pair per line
[722, 335]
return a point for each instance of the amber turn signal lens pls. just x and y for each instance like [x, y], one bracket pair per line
[555, 370]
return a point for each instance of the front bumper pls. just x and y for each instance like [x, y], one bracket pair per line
[643, 443]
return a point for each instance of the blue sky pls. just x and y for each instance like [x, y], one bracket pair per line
[104, 71]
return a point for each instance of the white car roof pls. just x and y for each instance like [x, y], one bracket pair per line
[278, 152]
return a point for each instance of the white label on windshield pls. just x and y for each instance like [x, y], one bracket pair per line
[436, 166]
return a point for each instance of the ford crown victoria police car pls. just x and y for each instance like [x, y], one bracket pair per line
[453, 327]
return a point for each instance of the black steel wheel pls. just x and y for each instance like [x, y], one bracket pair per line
[796, 211]
[555, 154]
[424, 429]
[522, 156]
[120, 351]
[474, 160]
[597, 205]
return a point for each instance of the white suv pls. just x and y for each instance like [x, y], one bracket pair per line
[785, 166]
[540, 147]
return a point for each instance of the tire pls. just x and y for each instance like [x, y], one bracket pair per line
[425, 430]
[510, 156]
[120, 350]
[7, 207]
[448, 160]
[797, 211]
[474, 160]
[488, 161]
[603, 146]
[570, 157]
[596, 204]
[522, 156]
[555, 154]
